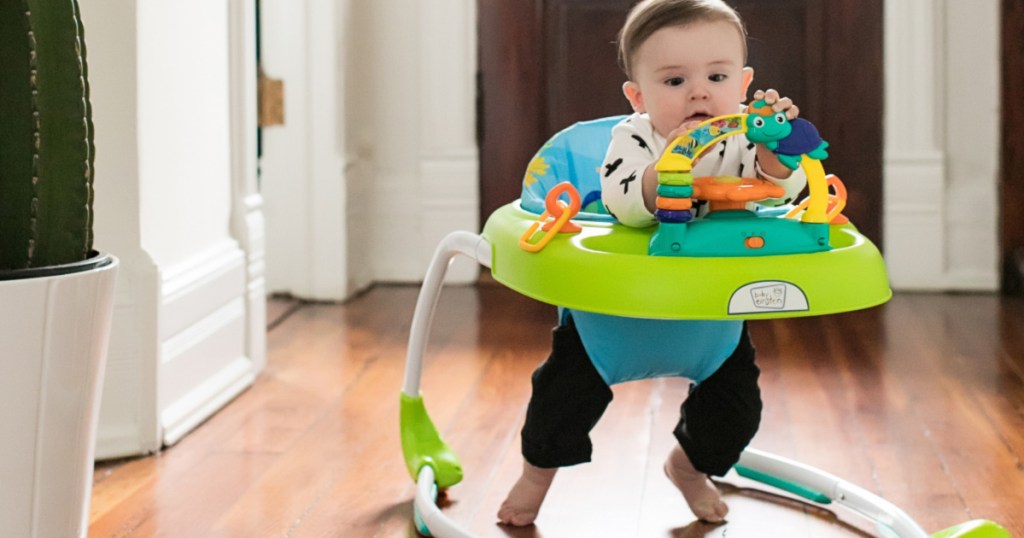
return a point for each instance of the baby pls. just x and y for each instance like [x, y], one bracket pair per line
[685, 61]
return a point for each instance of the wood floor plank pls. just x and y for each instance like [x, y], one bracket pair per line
[974, 455]
[821, 418]
[487, 426]
[335, 451]
[122, 484]
[603, 497]
[921, 401]
[907, 470]
[280, 307]
[305, 361]
[451, 372]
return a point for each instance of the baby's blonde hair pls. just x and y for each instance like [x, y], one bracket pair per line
[649, 16]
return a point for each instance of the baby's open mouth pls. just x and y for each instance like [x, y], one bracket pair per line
[698, 117]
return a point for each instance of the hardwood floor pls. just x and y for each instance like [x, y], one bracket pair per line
[921, 401]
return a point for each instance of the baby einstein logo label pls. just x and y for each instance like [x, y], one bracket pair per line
[767, 296]
[773, 297]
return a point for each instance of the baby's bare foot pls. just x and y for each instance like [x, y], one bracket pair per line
[700, 493]
[523, 502]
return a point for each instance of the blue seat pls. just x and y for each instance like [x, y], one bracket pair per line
[575, 155]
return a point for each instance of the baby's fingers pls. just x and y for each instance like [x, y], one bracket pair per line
[786, 104]
[778, 104]
[782, 104]
[770, 96]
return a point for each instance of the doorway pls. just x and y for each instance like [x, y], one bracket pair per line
[1012, 182]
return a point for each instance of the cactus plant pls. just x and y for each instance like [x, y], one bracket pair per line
[46, 135]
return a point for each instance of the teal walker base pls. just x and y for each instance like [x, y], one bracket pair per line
[738, 233]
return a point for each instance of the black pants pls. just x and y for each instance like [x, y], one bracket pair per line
[717, 420]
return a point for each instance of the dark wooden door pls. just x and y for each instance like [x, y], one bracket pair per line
[1012, 184]
[545, 64]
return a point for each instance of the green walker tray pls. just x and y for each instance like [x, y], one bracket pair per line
[606, 268]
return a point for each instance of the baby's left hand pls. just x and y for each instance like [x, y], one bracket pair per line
[777, 103]
[768, 160]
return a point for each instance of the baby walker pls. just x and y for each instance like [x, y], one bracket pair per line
[806, 260]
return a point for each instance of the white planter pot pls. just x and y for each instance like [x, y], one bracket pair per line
[54, 331]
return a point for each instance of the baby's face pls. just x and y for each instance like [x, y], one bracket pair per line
[687, 74]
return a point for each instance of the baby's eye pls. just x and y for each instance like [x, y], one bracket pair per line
[675, 81]
[718, 77]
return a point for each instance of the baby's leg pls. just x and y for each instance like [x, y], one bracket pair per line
[523, 502]
[569, 397]
[718, 420]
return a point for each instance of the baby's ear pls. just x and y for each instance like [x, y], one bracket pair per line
[748, 77]
[636, 99]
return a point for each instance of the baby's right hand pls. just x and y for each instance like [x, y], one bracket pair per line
[683, 128]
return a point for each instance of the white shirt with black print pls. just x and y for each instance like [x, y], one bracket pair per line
[635, 145]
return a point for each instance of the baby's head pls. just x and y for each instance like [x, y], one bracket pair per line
[649, 16]
[685, 60]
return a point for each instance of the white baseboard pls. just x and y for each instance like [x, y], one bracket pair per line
[179, 348]
[450, 203]
[249, 230]
[121, 441]
[203, 329]
[128, 412]
[974, 280]
[206, 399]
[400, 249]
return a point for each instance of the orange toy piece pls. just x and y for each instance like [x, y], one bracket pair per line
[729, 192]
[836, 202]
[673, 204]
[555, 217]
[555, 207]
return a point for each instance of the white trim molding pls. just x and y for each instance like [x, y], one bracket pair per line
[914, 158]
[247, 221]
[941, 86]
[202, 329]
[972, 132]
[411, 148]
[449, 157]
[128, 409]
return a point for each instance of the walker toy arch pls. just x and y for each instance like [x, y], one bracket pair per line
[817, 265]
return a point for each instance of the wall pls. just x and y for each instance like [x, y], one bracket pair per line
[184, 142]
[168, 176]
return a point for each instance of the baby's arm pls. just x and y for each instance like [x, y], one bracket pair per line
[631, 159]
[629, 182]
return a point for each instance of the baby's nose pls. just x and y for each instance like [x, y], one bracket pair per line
[699, 93]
